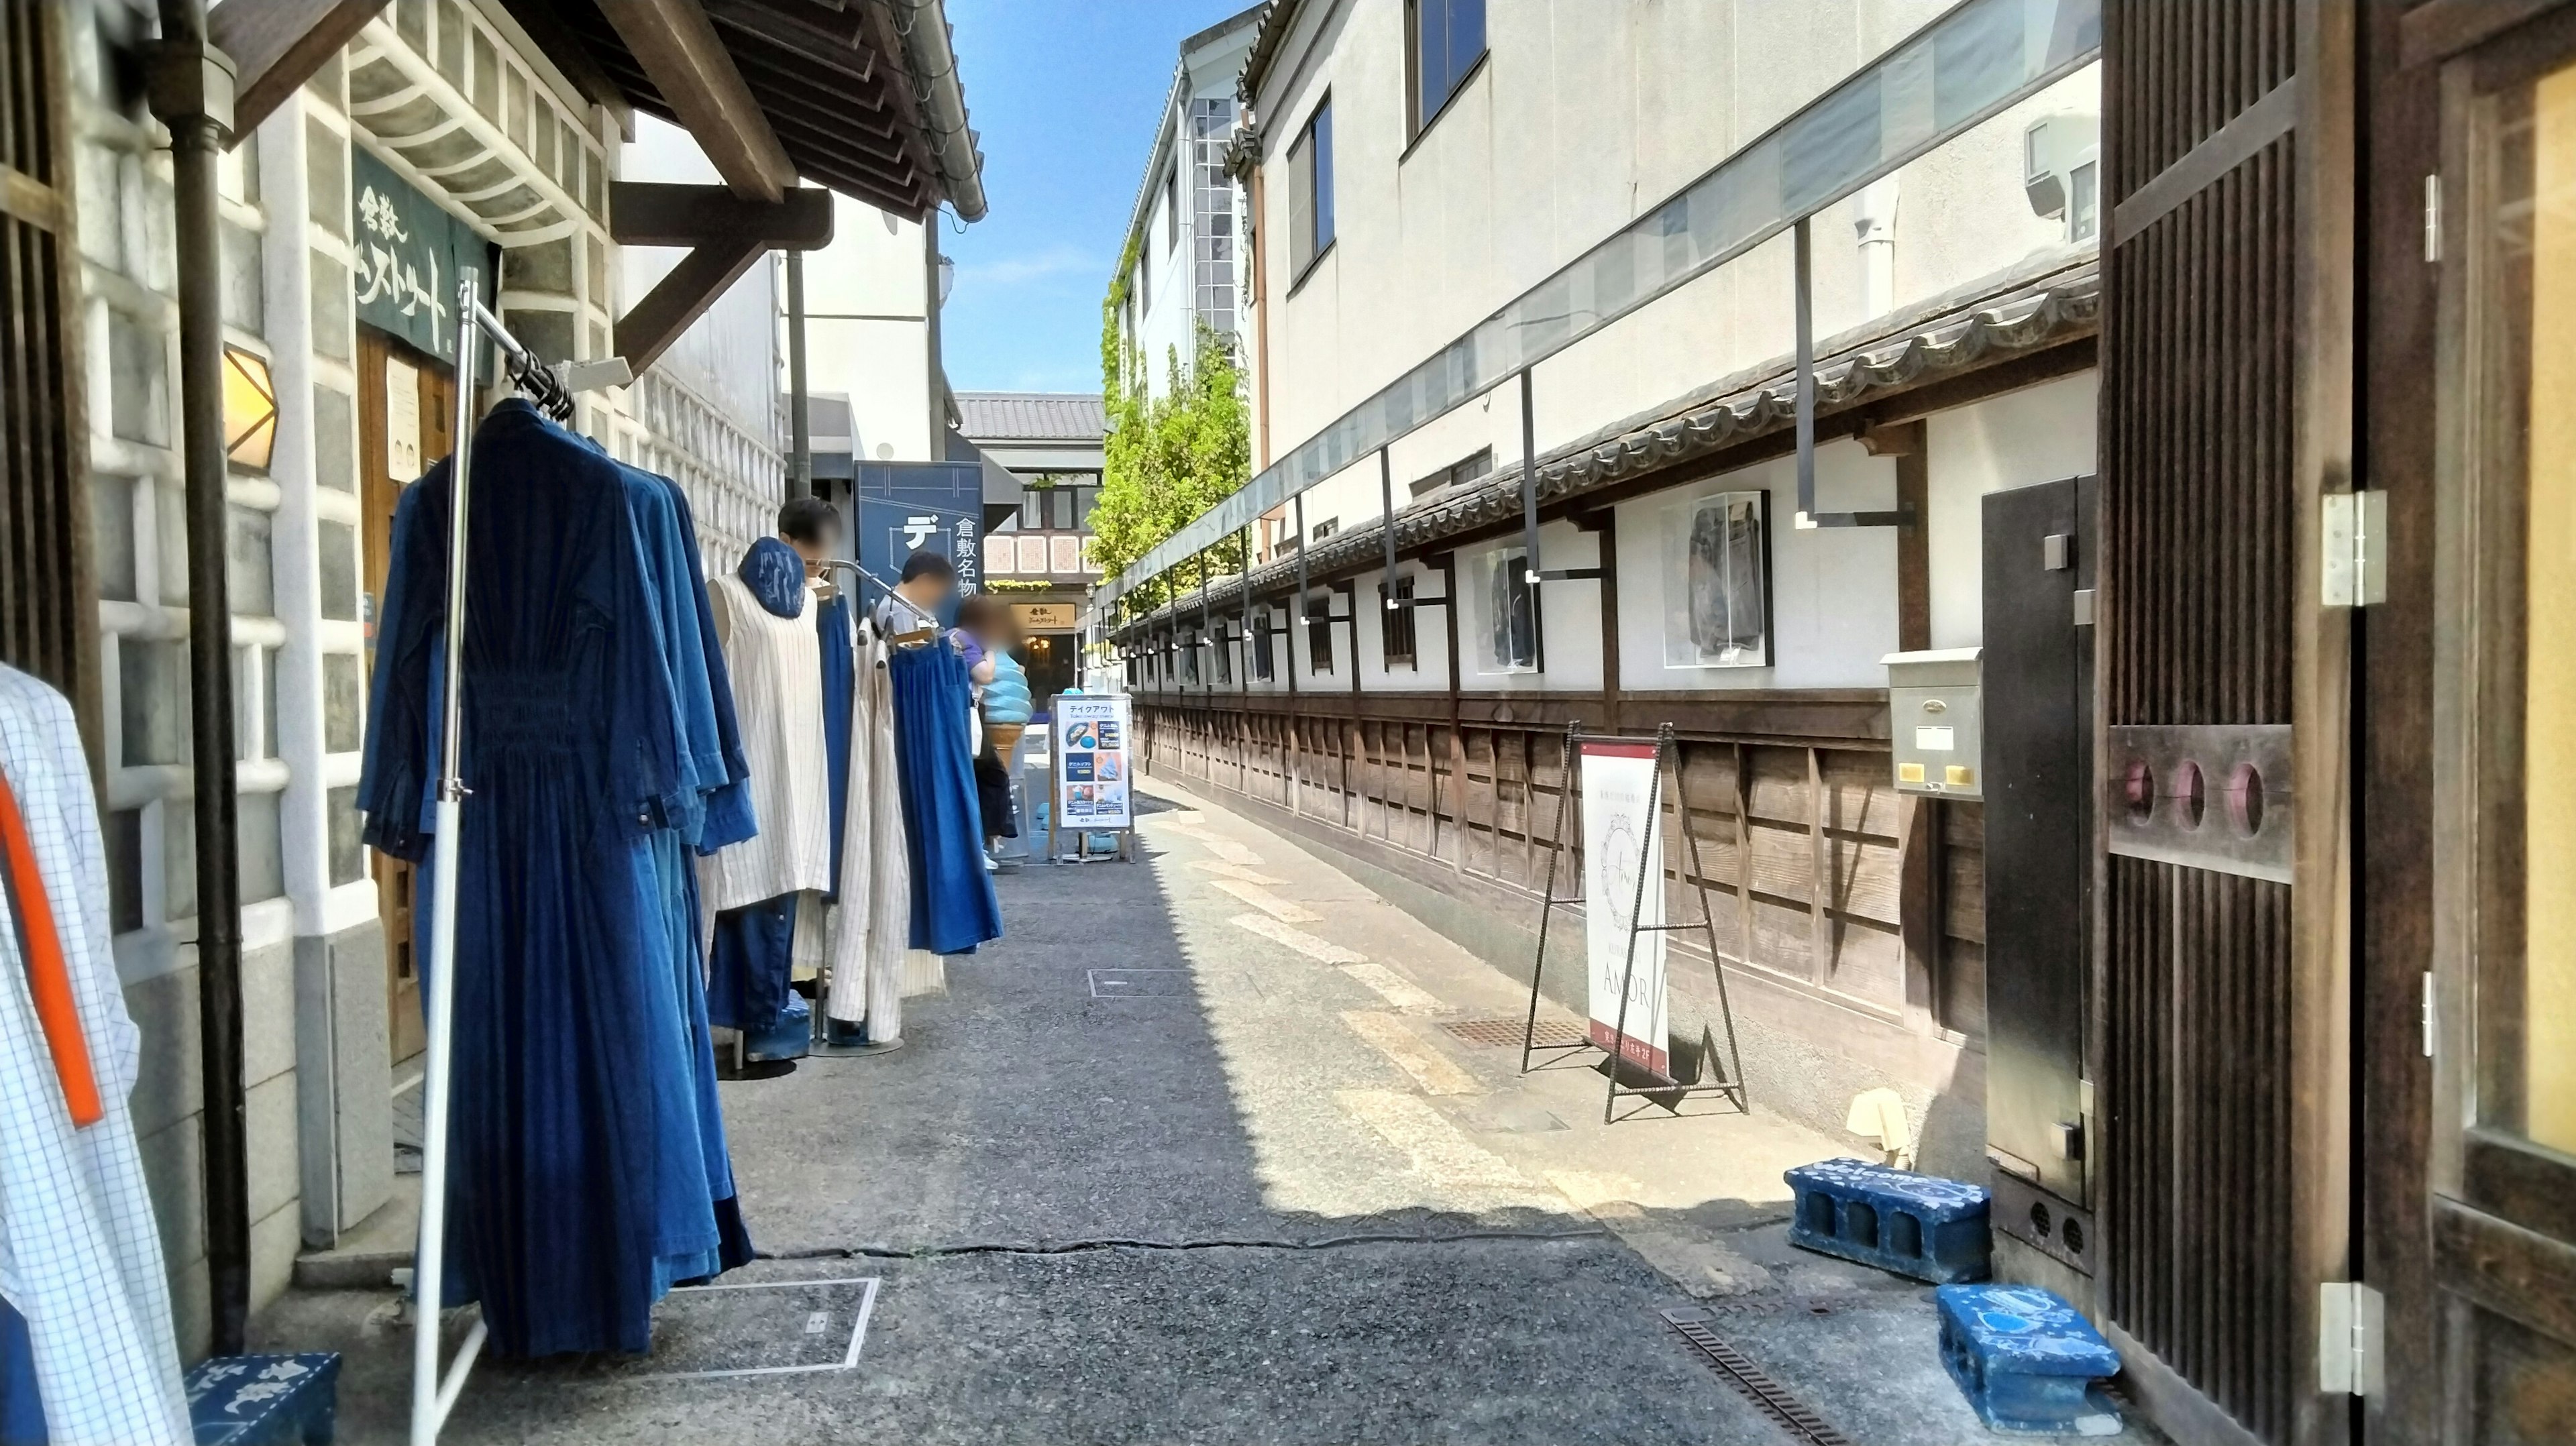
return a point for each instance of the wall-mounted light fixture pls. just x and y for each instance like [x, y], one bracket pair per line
[250, 410]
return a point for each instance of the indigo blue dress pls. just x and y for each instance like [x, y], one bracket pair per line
[953, 906]
[840, 683]
[574, 1127]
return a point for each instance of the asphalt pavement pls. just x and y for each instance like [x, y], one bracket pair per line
[1211, 1148]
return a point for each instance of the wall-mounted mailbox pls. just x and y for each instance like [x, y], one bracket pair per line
[1934, 722]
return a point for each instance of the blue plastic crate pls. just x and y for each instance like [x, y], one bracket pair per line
[264, 1400]
[1921, 1226]
[2027, 1361]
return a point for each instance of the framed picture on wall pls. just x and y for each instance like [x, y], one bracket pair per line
[1717, 582]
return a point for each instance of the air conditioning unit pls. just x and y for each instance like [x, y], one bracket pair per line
[2061, 171]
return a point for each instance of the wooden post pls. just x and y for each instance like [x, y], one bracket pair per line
[1820, 873]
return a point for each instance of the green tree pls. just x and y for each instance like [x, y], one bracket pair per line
[1169, 457]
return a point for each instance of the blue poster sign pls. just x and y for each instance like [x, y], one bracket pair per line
[909, 507]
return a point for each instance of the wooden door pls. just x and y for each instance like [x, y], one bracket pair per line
[404, 419]
[2494, 1198]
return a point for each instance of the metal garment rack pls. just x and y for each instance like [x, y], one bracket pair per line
[1730, 1071]
[433, 1392]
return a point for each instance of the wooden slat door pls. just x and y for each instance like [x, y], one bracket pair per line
[383, 362]
[2225, 1103]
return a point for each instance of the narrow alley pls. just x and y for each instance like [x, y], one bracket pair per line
[1220, 1148]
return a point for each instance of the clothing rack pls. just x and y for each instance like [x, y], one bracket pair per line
[433, 1392]
[928, 620]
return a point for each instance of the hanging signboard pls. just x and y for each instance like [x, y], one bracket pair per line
[1045, 617]
[408, 254]
[1093, 779]
[1621, 845]
[909, 507]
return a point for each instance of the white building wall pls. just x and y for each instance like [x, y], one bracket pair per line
[866, 299]
[1166, 317]
[1528, 168]
[2019, 439]
[1833, 590]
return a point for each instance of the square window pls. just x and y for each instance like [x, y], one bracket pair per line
[1508, 642]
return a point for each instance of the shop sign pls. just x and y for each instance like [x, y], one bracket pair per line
[1092, 773]
[1044, 617]
[909, 507]
[1621, 845]
[409, 254]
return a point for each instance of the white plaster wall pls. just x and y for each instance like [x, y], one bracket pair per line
[1833, 589]
[730, 355]
[877, 265]
[1569, 616]
[2038, 434]
[1529, 167]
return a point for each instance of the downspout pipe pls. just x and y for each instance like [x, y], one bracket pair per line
[932, 60]
[192, 93]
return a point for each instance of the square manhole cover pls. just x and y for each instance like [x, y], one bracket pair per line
[1139, 983]
[1506, 1033]
[763, 1328]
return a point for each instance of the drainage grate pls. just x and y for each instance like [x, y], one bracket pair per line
[1751, 1381]
[1506, 1033]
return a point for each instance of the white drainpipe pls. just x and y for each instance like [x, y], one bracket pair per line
[1874, 219]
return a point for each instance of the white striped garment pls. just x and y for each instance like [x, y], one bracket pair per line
[79, 1256]
[874, 920]
[777, 668]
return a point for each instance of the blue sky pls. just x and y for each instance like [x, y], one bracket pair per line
[1066, 94]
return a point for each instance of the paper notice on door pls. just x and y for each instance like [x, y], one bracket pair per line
[402, 421]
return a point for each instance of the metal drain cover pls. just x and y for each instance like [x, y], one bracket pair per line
[1751, 1382]
[781, 1328]
[1506, 1033]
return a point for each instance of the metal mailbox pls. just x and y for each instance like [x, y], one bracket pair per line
[1935, 728]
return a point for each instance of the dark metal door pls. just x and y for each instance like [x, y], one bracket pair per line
[2037, 713]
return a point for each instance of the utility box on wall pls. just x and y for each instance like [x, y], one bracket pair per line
[1936, 729]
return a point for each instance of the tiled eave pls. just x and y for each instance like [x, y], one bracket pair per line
[2022, 312]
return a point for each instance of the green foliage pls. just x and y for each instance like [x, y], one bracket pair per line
[1169, 458]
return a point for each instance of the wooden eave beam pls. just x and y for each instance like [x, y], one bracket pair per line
[725, 234]
[277, 45]
[679, 50]
[652, 324]
[650, 213]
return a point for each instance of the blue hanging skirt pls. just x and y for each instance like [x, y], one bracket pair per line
[953, 906]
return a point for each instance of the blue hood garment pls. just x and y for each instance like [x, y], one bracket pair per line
[776, 576]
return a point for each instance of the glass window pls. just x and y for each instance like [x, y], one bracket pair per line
[1310, 190]
[1448, 37]
[2519, 665]
[1509, 643]
[1397, 627]
[1262, 663]
[1319, 635]
[1716, 589]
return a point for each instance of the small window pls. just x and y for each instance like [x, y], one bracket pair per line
[1264, 668]
[1397, 626]
[1325, 528]
[1717, 583]
[2083, 203]
[1466, 469]
[1509, 643]
[1319, 635]
[1446, 38]
[1310, 190]
[1224, 654]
